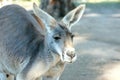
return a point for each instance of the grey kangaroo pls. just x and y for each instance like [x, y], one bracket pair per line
[35, 47]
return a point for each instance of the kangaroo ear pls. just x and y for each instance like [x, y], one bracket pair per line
[74, 16]
[48, 21]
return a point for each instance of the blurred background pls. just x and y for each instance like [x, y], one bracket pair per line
[58, 8]
[97, 39]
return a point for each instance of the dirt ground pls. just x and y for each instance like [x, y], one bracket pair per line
[97, 44]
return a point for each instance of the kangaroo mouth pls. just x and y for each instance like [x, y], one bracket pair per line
[68, 59]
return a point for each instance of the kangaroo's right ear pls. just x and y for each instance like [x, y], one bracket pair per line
[74, 16]
[48, 21]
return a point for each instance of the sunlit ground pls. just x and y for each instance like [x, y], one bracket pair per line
[111, 72]
[26, 4]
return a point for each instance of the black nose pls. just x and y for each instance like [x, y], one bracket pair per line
[71, 54]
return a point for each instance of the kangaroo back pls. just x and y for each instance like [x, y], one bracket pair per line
[19, 37]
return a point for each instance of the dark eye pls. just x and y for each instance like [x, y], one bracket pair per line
[57, 37]
[72, 36]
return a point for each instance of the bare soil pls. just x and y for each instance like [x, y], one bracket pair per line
[97, 44]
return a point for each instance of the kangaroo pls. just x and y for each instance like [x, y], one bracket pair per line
[36, 48]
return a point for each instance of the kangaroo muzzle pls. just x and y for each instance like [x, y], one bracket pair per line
[69, 55]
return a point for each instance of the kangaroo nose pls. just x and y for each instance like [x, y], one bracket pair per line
[71, 54]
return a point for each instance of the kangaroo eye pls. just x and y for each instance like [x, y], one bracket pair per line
[72, 36]
[57, 37]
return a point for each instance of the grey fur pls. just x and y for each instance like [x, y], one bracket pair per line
[25, 52]
[20, 42]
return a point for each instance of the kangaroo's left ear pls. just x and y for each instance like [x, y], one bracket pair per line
[74, 16]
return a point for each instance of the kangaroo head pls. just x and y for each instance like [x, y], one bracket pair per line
[58, 36]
